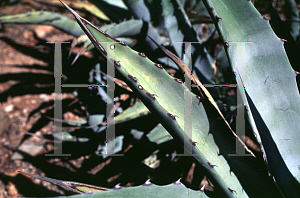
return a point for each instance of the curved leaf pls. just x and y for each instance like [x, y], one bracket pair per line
[269, 84]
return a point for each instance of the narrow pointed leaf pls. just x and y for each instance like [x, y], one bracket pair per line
[147, 190]
[78, 4]
[137, 110]
[204, 135]
[45, 18]
[75, 187]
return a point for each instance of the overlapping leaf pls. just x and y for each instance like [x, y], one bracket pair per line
[268, 82]
[165, 97]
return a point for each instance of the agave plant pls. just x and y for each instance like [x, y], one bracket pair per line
[197, 119]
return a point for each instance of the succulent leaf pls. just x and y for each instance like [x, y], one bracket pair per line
[169, 93]
[45, 18]
[177, 189]
[180, 30]
[159, 135]
[133, 112]
[269, 86]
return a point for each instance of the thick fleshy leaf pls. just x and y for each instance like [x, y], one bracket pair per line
[177, 189]
[138, 9]
[78, 4]
[165, 96]
[75, 187]
[148, 190]
[205, 134]
[45, 18]
[268, 83]
[137, 110]
[180, 30]
[159, 135]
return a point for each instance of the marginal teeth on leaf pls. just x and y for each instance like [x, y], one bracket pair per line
[147, 183]
[142, 54]
[178, 80]
[231, 190]
[118, 186]
[172, 116]
[202, 188]
[283, 40]
[177, 182]
[198, 97]
[192, 142]
[152, 96]
[117, 63]
[158, 66]
[140, 87]
[88, 192]
[218, 18]
[132, 78]
[227, 44]
[122, 43]
[211, 165]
